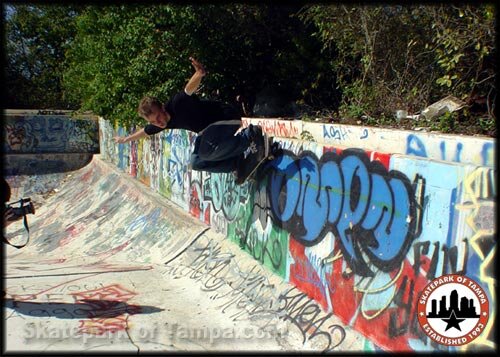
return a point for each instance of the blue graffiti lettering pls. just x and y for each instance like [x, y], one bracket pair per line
[370, 210]
[487, 147]
[332, 132]
[442, 147]
[145, 222]
[415, 146]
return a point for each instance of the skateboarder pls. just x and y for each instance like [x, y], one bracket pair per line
[218, 146]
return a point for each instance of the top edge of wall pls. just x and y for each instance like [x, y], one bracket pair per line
[409, 131]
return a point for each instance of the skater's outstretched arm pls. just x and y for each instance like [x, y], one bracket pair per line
[135, 136]
[193, 83]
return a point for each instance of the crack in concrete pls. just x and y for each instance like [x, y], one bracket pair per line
[130, 338]
[13, 312]
[76, 273]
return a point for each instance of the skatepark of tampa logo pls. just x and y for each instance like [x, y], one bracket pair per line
[453, 310]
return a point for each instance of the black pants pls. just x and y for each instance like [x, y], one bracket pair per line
[217, 148]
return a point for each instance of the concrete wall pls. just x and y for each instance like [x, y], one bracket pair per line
[47, 144]
[479, 151]
[360, 219]
[38, 134]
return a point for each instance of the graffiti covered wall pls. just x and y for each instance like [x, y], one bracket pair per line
[47, 144]
[38, 134]
[455, 148]
[359, 229]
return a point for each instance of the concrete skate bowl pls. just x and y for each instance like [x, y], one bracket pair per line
[329, 251]
[358, 218]
[114, 266]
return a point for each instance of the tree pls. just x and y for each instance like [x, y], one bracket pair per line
[36, 40]
[121, 53]
[464, 45]
[406, 57]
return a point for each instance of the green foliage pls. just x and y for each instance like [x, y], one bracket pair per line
[464, 44]
[357, 100]
[122, 53]
[445, 123]
[117, 57]
[361, 62]
[486, 124]
[36, 40]
[305, 135]
[407, 57]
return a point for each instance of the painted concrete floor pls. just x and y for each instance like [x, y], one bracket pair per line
[112, 266]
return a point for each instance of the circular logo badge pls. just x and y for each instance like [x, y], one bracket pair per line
[453, 310]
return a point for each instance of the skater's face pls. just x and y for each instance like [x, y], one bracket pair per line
[158, 117]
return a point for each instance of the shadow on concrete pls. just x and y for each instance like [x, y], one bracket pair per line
[44, 164]
[79, 310]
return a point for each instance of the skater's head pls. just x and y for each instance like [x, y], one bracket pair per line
[151, 109]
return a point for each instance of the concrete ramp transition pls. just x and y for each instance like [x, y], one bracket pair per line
[112, 266]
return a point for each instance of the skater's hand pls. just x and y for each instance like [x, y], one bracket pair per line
[120, 139]
[199, 68]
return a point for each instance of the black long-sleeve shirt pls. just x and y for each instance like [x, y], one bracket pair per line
[190, 113]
